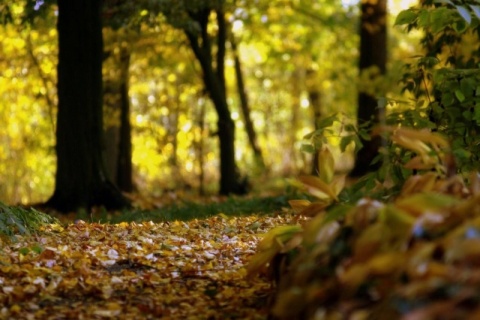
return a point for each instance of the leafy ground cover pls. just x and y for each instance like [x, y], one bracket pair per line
[178, 269]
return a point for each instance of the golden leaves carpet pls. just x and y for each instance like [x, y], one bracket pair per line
[171, 270]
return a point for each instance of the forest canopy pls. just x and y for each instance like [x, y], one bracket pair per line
[287, 52]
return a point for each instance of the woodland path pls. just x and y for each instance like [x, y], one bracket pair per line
[171, 270]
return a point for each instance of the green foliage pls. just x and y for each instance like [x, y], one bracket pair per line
[447, 77]
[18, 221]
[340, 127]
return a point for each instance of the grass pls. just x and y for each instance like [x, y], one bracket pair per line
[19, 221]
[233, 206]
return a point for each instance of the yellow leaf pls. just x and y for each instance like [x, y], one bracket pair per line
[464, 252]
[420, 203]
[378, 265]
[317, 231]
[421, 163]
[326, 165]
[288, 303]
[298, 205]
[422, 135]
[279, 234]
[468, 207]
[223, 216]
[411, 144]
[318, 188]
[353, 277]
[260, 259]
[338, 183]
[293, 243]
[370, 241]
[314, 208]
[386, 263]
[474, 182]
[419, 183]
[271, 244]
[398, 220]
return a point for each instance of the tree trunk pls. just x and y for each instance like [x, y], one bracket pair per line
[124, 164]
[214, 80]
[373, 52]
[314, 97]
[292, 160]
[80, 180]
[252, 136]
[199, 145]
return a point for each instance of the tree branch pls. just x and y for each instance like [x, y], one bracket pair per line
[221, 40]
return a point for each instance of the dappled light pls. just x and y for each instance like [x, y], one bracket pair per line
[190, 159]
[173, 121]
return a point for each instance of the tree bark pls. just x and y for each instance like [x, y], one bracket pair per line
[373, 52]
[124, 166]
[80, 180]
[315, 99]
[245, 107]
[214, 80]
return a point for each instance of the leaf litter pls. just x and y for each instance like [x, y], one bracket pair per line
[171, 270]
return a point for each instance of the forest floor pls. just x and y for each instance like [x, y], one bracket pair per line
[191, 269]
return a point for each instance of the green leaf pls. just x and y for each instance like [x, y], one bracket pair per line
[358, 144]
[406, 17]
[364, 135]
[37, 249]
[350, 128]
[345, 142]
[24, 251]
[460, 26]
[308, 148]
[423, 18]
[460, 96]
[476, 113]
[467, 115]
[337, 212]
[327, 122]
[447, 100]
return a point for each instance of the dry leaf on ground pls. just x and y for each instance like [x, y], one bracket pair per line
[176, 270]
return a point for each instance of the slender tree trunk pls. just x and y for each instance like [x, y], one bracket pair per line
[214, 80]
[315, 99]
[124, 165]
[373, 52]
[252, 136]
[80, 180]
[200, 145]
[118, 145]
[291, 156]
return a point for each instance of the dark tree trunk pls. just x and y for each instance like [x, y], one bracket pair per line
[124, 165]
[214, 80]
[373, 52]
[199, 143]
[118, 148]
[80, 180]
[315, 99]
[252, 136]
